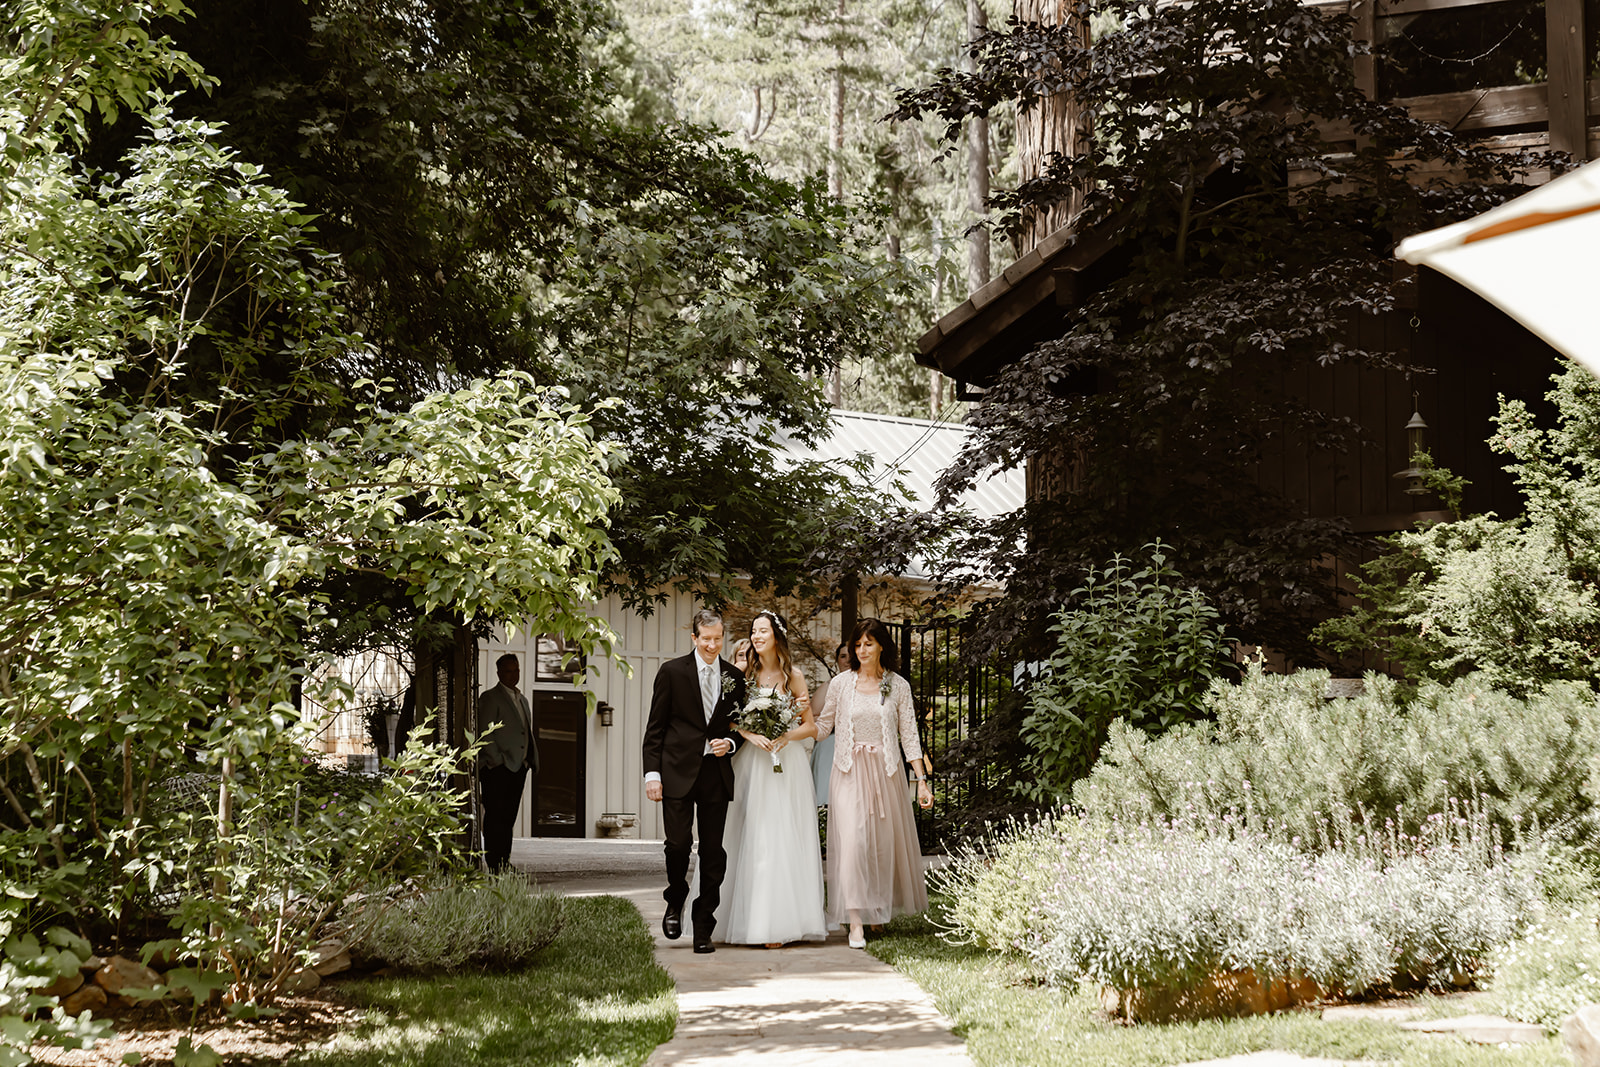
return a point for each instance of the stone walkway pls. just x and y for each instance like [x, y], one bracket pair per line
[791, 1007]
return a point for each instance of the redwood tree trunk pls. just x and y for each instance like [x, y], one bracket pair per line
[1050, 125]
[977, 169]
[836, 171]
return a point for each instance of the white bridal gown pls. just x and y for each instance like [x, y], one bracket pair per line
[773, 889]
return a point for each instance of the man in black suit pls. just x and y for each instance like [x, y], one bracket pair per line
[504, 762]
[687, 742]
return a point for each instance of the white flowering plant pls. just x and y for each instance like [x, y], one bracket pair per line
[768, 712]
[1163, 905]
[1552, 970]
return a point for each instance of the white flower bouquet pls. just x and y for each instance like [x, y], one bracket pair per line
[769, 713]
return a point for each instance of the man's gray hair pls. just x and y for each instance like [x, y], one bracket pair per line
[704, 617]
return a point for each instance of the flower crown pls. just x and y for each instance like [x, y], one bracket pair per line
[777, 623]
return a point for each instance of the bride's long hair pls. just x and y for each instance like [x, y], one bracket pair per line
[779, 652]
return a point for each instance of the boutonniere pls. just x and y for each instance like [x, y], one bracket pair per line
[728, 683]
[883, 688]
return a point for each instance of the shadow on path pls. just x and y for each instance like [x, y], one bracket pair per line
[799, 1006]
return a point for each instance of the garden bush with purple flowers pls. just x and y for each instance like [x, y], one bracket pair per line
[1276, 747]
[1162, 905]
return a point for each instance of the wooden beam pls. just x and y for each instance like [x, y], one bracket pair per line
[1482, 109]
[1413, 7]
[1477, 109]
[1569, 118]
[976, 333]
[1069, 286]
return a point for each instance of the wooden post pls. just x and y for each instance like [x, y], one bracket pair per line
[1569, 96]
[1364, 27]
[463, 697]
[425, 687]
[849, 604]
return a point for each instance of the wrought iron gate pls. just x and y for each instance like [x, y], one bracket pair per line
[952, 699]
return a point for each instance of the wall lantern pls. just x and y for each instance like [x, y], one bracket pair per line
[1416, 441]
[604, 711]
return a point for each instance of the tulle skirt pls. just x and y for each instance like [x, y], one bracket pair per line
[874, 862]
[773, 889]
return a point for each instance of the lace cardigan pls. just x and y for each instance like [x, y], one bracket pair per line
[899, 722]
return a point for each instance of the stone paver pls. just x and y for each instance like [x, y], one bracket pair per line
[799, 1006]
[1483, 1029]
[1282, 1059]
[1386, 1012]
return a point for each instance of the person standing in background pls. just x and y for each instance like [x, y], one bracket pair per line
[822, 752]
[874, 864]
[510, 752]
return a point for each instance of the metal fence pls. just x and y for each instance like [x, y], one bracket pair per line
[952, 699]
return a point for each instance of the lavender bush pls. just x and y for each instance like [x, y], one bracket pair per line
[1281, 751]
[991, 887]
[1165, 904]
[496, 924]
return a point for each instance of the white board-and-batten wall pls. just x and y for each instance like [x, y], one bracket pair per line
[614, 761]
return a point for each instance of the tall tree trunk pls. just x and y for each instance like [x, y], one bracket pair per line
[1051, 125]
[835, 167]
[977, 169]
[935, 385]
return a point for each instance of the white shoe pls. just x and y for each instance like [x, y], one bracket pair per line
[862, 943]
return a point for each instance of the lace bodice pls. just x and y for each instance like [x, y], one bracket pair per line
[866, 720]
[852, 715]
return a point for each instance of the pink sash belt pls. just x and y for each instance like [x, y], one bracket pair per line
[872, 794]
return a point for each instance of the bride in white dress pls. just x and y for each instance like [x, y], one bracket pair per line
[773, 890]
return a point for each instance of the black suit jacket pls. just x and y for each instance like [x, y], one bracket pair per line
[676, 733]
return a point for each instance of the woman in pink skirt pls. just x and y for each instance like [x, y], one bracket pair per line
[874, 866]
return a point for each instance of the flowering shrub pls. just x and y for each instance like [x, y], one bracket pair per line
[496, 924]
[1280, 752]
[1165, 905]
[1551, 971]
[991, 886]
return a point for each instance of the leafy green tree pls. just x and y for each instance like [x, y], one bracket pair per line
[1151, 407]
[1514, 599]
[784, 81]
[178, 497]
[494, 203]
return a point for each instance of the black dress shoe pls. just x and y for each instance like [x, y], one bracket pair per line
[704, 946]
[672, 923]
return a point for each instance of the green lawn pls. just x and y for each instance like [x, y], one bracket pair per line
[595, 997]
[1009, 1021]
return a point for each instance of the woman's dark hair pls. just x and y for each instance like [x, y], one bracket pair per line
[889, 658]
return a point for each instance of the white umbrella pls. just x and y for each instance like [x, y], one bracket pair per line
[1537, 257]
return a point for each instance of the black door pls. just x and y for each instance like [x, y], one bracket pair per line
[559, 720]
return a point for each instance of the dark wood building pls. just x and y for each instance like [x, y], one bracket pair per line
[1476, 352]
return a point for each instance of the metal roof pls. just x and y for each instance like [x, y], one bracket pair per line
[920, 449]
